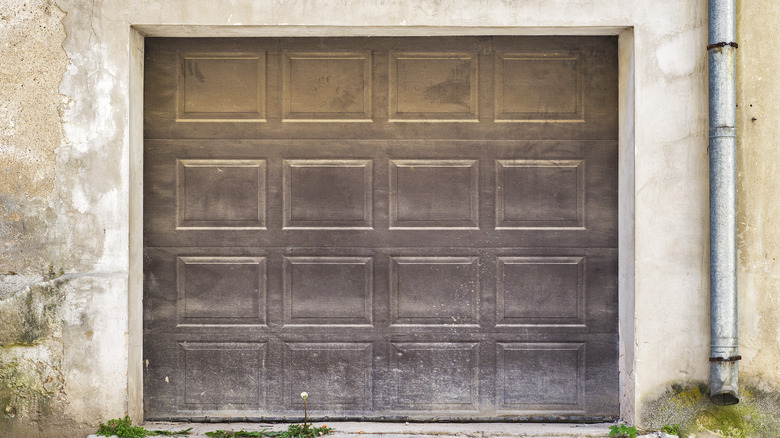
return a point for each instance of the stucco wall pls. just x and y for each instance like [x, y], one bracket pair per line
[758, 167]
[70, 130]
[63, 292]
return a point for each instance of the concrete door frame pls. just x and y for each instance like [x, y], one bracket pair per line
[626, 186]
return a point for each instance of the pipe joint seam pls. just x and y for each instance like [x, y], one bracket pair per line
[723, 131]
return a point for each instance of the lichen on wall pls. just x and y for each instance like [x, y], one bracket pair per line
[32, 313]
[757, 415]
[31, 385]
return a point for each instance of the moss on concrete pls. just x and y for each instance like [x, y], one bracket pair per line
[30, 314]
[29, 388]
[756, 416]
[32, 385]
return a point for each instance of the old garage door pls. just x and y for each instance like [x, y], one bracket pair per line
[405, 228]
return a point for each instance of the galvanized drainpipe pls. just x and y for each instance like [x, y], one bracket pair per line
[724, 354]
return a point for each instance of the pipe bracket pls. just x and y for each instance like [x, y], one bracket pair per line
[722, 44]
[725, 359]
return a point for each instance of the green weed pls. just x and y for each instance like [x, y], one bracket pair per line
[123, 428]
[293, 431]
[305, 430]
[673, 429]
[622, 431]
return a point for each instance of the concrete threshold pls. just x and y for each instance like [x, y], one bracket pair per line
[409, 430]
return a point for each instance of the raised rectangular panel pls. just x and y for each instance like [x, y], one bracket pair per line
[434, 290]
[327, 194]
[433, 87]
[434, 194]
[540, 194]
[221, 290]
[222, 376]
[221, 87]
[540, 376]
[335, 375]
[539, 87]
[220, 194]
[326, 86]
[435, 375]
[541, 291]
[328, 290]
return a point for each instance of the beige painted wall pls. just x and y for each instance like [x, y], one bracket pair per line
[72, 197]
[758, 167]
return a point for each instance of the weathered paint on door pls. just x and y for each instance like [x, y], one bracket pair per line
[404, 228]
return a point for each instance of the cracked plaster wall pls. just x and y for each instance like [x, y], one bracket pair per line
[65, 194]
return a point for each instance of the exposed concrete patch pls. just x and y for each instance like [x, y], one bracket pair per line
[31, 296]
[31, 38]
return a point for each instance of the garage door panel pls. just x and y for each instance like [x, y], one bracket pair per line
[433, 86]
[221, 86]
[387, 88]
[434, 194]
[221, 290]
[326, 194]
[541, 291]
[540, 194]
[435, 376]
[222, 376]
[328, 290]
[520, 76]
[407, 228]
[325, 86]
[221, 194]
[337, 376]
[552, 288]
[602, 355]
[602, 291]
[540, 376]
[160, 360]
[416, 197]
[434, 290]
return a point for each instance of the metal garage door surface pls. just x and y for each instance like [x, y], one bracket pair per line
[404, 228]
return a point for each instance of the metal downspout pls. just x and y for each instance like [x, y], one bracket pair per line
[724, 353]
